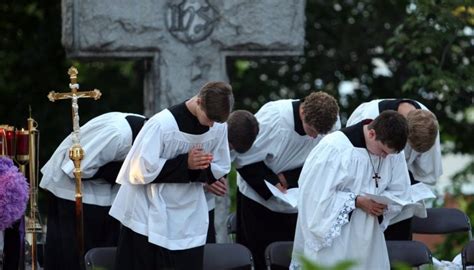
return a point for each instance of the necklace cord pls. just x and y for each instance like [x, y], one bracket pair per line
[376, 172]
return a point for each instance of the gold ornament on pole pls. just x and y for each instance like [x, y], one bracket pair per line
[76, 153]
[34, 226]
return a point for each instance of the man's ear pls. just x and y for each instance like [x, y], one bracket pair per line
[372, 134]
[301, 111]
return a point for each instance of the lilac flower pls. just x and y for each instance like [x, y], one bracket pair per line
[13, 193]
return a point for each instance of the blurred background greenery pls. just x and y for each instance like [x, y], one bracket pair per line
[355, 50]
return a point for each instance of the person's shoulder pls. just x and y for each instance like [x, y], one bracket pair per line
[163, 120]
[272, 112]
[337, 139]
[276, 104]
[334, 147]
[396, 159]
[220, 127]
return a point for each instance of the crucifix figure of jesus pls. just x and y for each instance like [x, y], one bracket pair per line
[76, 153]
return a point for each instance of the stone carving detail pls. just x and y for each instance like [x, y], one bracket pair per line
[191, 21]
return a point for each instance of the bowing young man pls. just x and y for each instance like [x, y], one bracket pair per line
[422, 151]
[242, 129]
[161, 203]
[289, 129]
[337, 220]
[106, 140]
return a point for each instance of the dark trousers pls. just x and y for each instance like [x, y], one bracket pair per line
[399, 231]
[257, 227]
[134, 252]
[14, 246]
[61, 252]
[211, 230]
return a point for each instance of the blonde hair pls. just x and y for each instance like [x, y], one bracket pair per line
[422, 130]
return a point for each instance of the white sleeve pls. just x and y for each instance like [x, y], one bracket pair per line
[102, 149]
[427, 167]
[144, 162]
[323, 172]
[220, 164]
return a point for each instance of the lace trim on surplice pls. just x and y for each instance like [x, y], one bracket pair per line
[335, 231]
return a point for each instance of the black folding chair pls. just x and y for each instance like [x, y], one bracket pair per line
[100, 258]
[231, 226]
[468, 255]
[227, 256]
[278, 255]
[412, 253]
[442, 221]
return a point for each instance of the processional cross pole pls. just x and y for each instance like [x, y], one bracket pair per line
[76, 153]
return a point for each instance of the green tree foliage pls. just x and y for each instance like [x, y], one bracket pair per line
[342, 38]
[33, 62]
[433, 51]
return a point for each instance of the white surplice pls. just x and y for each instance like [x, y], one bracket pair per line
[426, 167]
[279, 146]
[171, 215]
[334, 173]
[105, 138]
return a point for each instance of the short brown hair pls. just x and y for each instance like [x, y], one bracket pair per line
[422, 130]
[320, 111]
[391, 128]
[217, 100]
[242, 130]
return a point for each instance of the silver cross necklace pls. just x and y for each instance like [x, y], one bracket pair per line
[376, 176]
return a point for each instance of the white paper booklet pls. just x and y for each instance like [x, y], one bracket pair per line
[290, 197]
[417, 193]
[398, 210]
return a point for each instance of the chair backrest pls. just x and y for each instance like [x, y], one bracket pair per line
[100, 258]
[278, 255]
[227, 256]
[412, 253]
[468, 255]
[442, 221]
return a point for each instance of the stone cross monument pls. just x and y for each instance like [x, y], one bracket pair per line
[185, 41]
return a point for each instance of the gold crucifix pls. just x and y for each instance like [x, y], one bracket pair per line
[76, 153]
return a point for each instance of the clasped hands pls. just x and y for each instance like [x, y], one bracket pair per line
[370, 206]
[199, 160]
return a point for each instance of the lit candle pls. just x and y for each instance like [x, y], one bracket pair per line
[10, 134]
[21, 143]
[3, 141]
